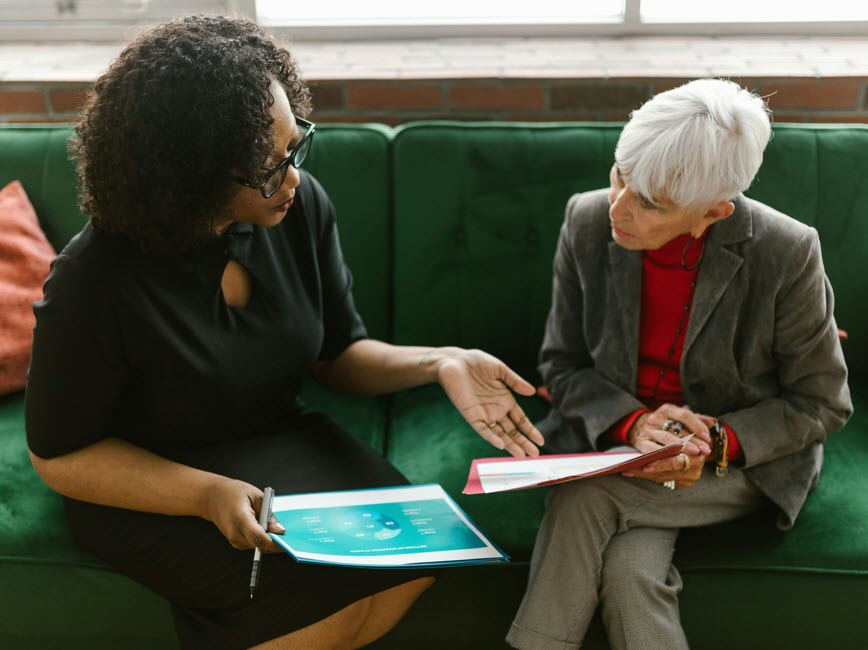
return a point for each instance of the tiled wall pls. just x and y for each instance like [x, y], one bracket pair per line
[793, 99]
[807, 78]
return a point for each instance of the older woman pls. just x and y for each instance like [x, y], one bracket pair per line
[177, 328]
[671, 289]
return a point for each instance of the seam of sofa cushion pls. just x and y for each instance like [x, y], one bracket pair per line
[12, 559]
[730, 568]
[717, 568]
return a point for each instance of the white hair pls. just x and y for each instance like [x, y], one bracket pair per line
[695, 145]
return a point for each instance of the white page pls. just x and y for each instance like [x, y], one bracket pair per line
[509, 475]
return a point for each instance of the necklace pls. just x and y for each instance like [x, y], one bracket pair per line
[684, 312]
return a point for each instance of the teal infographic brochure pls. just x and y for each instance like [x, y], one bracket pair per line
[414, 525]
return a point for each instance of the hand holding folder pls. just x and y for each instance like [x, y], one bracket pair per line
[489, 475]
[407, 526]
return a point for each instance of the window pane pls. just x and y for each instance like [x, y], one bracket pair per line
[738, 11]
[401, 12]
[78, 11]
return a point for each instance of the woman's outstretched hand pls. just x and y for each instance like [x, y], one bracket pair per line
[480, 386]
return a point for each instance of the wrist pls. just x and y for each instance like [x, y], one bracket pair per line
[209, 503]
[634, 430]
[435, 359]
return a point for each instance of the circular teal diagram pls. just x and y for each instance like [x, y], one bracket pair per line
[368, 524]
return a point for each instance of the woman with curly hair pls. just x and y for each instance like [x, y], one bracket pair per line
[177, 327]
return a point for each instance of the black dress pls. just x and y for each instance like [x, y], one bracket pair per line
[145, 348]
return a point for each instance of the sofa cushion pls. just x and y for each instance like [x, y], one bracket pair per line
[25, 256]
[354, 165]
[831, 532]
[818, 174]
[365, 417]
[45, 578]
[36, 155]
[480, 207]
[772, 581]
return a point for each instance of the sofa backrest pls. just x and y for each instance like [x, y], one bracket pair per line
[36, 156]
[354, 165]
[818, 174]
[472, 213]
[352, 162]
[479, 207]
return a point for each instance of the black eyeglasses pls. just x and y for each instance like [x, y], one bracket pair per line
[273, 179]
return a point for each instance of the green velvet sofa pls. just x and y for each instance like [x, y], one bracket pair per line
[449, 229]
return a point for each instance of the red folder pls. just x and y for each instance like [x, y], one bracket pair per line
[526, 473]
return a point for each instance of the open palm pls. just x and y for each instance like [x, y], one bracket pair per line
[479, 386]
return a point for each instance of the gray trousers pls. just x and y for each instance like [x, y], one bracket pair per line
[608, 542]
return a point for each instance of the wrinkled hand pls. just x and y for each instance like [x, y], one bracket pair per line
[647, 434]
[479, 386]
[685, 470]
[233, 506]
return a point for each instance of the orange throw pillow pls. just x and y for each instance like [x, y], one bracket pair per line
[25, 255]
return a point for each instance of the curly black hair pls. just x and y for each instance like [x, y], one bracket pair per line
[182, 105]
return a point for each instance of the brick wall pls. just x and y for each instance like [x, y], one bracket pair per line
[793, 99]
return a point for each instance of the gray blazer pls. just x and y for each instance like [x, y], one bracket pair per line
[761, 349]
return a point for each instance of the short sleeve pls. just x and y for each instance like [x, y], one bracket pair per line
[341, 322]
[77, 373]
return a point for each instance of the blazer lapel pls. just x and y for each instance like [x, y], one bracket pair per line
[719, 266]
[625, 268]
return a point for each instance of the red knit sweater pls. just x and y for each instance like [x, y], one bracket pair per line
[665, 292]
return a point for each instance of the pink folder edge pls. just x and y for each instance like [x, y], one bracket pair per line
[474, 485]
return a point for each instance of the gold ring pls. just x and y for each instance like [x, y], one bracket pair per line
[490, 425]
[686, 462]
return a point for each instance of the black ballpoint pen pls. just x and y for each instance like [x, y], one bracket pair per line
[264, 515]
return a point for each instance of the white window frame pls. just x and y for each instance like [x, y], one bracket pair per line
[114, 28]
[631, 25]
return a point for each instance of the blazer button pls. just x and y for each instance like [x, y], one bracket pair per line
[698, 387]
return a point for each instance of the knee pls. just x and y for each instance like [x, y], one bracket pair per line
[345, 626]
[638, 572]
[626, 569]
[625, 585]
[580, 499]
[571, 495]
[383, 610]
[403, 596]
[425, 583]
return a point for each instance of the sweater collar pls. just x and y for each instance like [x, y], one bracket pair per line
[737, 227]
